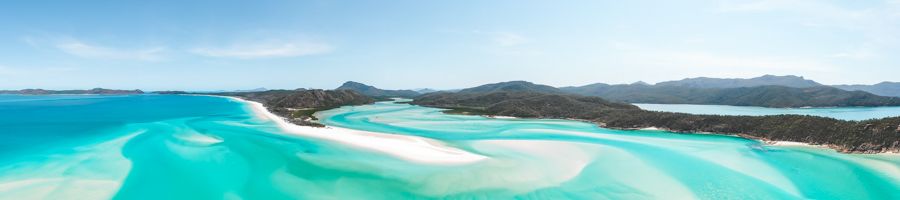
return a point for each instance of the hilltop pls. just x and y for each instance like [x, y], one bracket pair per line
[298, 106]
[764, 91]
[376, 92]
[870, 136]
[705, 82]
[884, 88]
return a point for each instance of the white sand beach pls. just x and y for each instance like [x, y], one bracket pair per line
[500, 117]
[410, 148]
[788, 143]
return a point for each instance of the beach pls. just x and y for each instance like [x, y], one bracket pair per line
[410, 148]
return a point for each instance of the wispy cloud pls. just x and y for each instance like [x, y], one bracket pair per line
[509, 39]
[267, 49]
[82, 49]
[858, 54]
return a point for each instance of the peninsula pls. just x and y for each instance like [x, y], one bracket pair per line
[522, 99]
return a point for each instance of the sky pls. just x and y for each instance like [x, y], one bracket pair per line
[226, 45]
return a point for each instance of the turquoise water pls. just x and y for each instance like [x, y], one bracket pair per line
[196, 147]
[845, 113]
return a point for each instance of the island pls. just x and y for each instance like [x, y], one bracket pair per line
[765, 91]
[528, 100]
[91, 91]
[298, 106]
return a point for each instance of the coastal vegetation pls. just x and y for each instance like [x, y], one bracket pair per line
[376, 92]
[298, 106]
[870, 136]
[763, 96]
[763, 91]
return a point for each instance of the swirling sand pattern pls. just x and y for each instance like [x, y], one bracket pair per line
[193, 147]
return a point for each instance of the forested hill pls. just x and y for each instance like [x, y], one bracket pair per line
[764, 96]
[298, 106]
[513, 86]
[520, 103]
[376, 92]
[891, 89]
[871, 136]
[704, 82]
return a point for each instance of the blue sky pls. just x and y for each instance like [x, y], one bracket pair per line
[210, 45]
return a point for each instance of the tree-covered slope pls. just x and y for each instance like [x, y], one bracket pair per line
[870, 136]
[765, 96]
[298, 106]
[376, 92]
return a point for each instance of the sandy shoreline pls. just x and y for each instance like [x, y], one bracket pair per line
[790, 143]
[500, 117]
[410, 148]
[769, 142]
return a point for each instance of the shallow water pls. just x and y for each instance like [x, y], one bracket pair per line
[845, 113]
[194, 147]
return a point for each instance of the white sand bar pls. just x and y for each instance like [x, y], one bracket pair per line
[410, 148]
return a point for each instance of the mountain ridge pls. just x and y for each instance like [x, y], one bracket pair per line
[706, 82]
[868, 136]
[885, 88]
[373, 91]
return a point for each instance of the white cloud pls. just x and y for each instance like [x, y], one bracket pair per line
[860, 54]
[269, 49]
[81, 49]
[509, 39]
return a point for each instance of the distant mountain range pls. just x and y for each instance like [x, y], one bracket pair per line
[513, 86]
[424, 90]
[91, 91]
[704, 82]
[765, 91]
[376, 92]
[764, 96]
[524, 99]
[883, 88]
